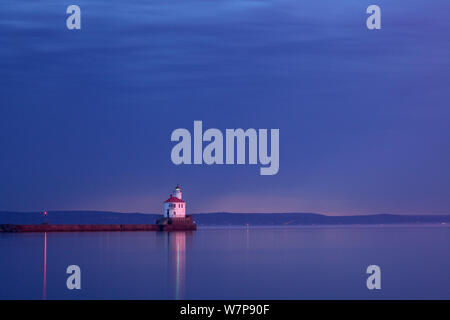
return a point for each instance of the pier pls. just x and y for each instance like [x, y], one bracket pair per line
[164, 224]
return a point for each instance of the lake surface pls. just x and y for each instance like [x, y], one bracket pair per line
[230, 263]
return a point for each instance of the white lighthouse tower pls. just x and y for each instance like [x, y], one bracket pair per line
[174, 207]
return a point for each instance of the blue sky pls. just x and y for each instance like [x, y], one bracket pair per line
[86, 116]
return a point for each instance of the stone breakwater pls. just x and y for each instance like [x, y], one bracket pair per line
[167, 224]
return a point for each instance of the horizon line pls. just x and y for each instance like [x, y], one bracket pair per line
[231, 212]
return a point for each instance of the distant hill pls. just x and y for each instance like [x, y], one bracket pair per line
[312, 219]
[216, 219]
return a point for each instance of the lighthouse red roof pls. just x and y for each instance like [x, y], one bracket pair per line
[174, 199]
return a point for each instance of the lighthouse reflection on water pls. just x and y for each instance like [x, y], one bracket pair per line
[176, 244]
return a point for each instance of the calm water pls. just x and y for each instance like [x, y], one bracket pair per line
[230, 263]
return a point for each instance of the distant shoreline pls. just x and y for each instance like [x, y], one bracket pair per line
[310, 226]
[220, 218]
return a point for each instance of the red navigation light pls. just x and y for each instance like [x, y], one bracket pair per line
[45, 213]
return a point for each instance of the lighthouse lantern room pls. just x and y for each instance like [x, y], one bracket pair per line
[174, 207]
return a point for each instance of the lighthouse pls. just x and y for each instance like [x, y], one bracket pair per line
[174, 214]
[175, 207]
